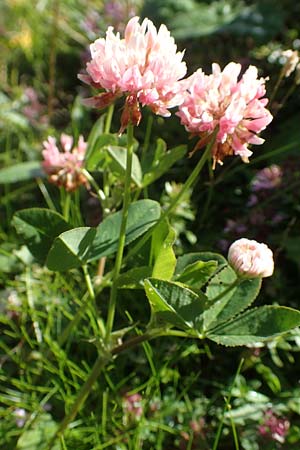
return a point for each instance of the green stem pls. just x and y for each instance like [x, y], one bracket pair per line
[187, 185]
[92, 181]
[109, 116]
[88, 281]
[279, 80]
[65, 204]
[119, 257]
[100, 363]
[98, 329]
[227, 406]
[74, 322]
[147, 137]
[287, 95]
[209, 195]
[45, 194]
[83, 393]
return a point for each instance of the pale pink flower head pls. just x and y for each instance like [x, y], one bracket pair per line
[267, 178]
[64, 167]
[144, 66]
[250, 259]
[233, 105]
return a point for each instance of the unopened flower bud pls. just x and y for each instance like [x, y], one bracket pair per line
[250, 259]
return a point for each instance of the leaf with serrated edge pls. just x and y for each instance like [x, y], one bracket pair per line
[255, 325]
[219, 293]
[174, 303]
[244, 295]
[197, 274]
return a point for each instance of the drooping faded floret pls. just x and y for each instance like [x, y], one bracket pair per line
[251, 259]
[64, 167]
[236, 106]
[144, 66]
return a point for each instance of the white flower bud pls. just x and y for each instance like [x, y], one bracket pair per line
[250, 259]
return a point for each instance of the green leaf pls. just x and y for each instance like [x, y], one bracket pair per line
[162, 249]
[97, 153]
[39, 436]
[9, 262]
[173, 304]
[71, 249]
[243, 296]
[219, 291]
[95, 133]
[39, 227]
[190, 258]
[134, 278]
[271, 379]
[21, 172]
[81, 245]
[197, 273]
[162, 164]
[118, 155]
[257, 324]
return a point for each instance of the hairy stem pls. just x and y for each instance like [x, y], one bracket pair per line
[119, 257]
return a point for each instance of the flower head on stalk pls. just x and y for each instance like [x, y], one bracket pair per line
[144, 66]
[250, 259]
[64, 168]
[233, 105]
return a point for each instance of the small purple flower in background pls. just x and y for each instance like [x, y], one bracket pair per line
[34, 110]
[223, 244]
[90, 24]
[118, 12]
[20, 416]
[198, 435]
[267, 178]
[232, 226]
[132, 407]
[64, 168]
[274, 427]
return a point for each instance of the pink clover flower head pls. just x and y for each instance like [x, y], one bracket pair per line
[251, 259]
[273, 427]
[64, 167]
[132, 405]
[144, 66]
[234, 105]
[267, 178]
